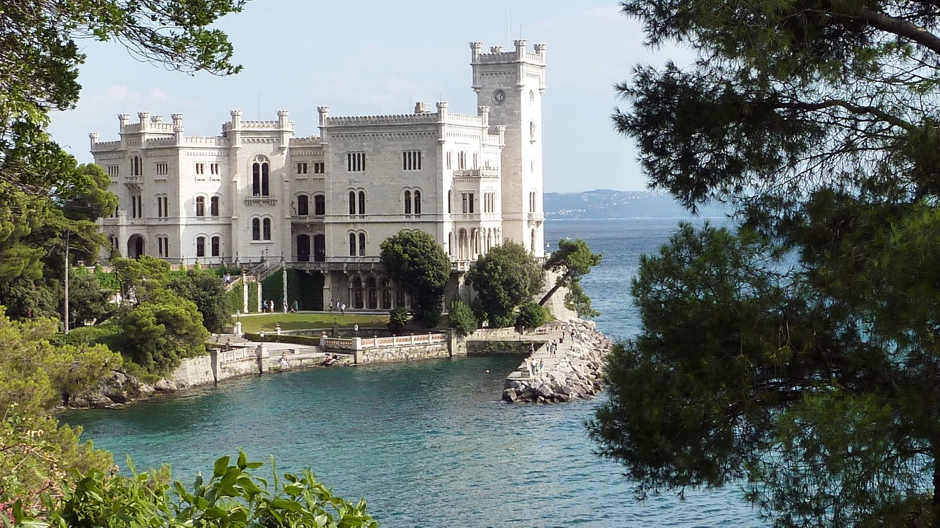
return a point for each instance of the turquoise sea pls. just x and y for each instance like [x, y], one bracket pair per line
[428, 443]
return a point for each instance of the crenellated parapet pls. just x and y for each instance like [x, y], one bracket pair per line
[380, 120]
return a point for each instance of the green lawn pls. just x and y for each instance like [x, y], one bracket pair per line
[307, 321]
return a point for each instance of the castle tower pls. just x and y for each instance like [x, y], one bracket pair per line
[511, 83]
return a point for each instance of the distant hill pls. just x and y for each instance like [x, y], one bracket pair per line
[607, 203]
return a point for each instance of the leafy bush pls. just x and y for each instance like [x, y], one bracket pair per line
[430, 316]
[38, 454]
[532, 315]
[461, 318]
[233, 496]
[397, 319]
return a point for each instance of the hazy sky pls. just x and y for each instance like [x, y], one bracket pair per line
[367, 57]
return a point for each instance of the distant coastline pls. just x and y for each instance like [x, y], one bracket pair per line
[603, 204]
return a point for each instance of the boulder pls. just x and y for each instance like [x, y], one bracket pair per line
[509, 395]
[165, 385]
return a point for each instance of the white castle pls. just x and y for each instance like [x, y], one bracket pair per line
[325, 204]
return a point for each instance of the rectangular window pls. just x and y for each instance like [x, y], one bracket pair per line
[468, 203]
[114, 171]
[489, 202]
[355, 162]
[216, 243]
[319, 167]
[411, 160]
[449, 155]
[301, 167]
[200, 168]
[162, 168]
[214, 168]
[319, 205]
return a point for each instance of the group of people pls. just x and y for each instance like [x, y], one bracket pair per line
[536, 368]
[268, 307]
[335, 305]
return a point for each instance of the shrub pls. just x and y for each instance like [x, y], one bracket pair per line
[397, 319]
[531, 315]
[461, 318]
[233, 496]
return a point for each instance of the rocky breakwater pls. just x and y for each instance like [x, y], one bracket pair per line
[574, 371]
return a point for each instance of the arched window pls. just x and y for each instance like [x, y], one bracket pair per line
[407, 202]
[216, 246]
[417, 202]
[214, 206]
[265, 180]
[352, 244]
[260, 179]
[319, 205]
[461, 160]
[303, 207]
[256, 229]
[362, 202]
[267, 229]
[352, 202]
[200, 206]
[200, 246]
[362, 244]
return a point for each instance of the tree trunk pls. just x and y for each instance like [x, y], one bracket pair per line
[549, 294]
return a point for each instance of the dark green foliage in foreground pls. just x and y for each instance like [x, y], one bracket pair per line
[461, 318]
[801, 352]
[415, 261]
[504, 278]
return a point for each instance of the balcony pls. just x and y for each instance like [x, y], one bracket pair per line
[133, 180]
[261, 200]
[536, 217]
[306, 219]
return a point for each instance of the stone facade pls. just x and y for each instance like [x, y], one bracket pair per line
[324, 204]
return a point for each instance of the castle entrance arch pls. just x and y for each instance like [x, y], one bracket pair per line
[135, 247]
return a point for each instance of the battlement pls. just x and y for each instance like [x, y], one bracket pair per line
[309, 141]
[378, 120]
[237, 123]
[421, 117]
[498, 56]
[105, 146]
[147, 124]
[256, 125]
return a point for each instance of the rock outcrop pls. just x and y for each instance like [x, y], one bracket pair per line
[574, 372]
[117, 389]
